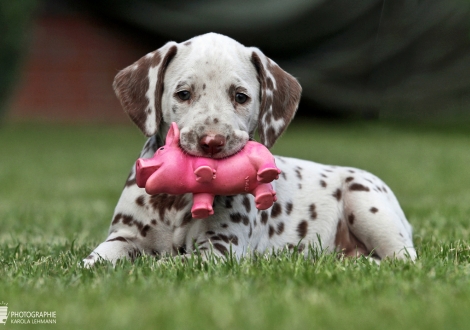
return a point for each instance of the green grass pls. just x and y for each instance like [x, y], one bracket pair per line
[59, 185]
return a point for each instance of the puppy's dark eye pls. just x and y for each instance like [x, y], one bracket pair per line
[184, 95]
[241, 98]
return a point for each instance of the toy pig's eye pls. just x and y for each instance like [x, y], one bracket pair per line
[241, 98]
[162, 148]
[184, 95]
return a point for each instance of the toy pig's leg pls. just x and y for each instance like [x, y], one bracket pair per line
[265, 196]
[268, 172]
[202, 205]
[205, 169]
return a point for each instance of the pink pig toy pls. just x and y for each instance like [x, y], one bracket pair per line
[173, 171]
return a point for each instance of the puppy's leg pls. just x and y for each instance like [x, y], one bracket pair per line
[118, 245]
[129, 228]
[145, 224]
[141, 222]
[374, 216]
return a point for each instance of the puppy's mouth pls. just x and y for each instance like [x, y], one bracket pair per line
[212, 145]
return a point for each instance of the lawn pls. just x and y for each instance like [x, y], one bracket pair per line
[59, 186]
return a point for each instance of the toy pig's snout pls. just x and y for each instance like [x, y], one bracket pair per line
[144, 168]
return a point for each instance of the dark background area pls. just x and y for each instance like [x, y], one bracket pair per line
[376, 59]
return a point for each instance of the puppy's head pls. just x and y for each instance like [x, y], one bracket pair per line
[215, 89]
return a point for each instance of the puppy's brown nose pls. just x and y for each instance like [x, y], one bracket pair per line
[212, 144]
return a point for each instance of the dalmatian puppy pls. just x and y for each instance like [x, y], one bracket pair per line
[219, 92]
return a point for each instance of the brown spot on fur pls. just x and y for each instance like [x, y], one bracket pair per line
[245, 219]
[247, 204]
[228, 202]
[349, 179]
[228, 239]
[323, 183]
[264, 217]
[221, 248]
[302, 229]
[337, 194]
[289, 207]
[271, 231]
[117, 218]
[358, 187]
[313, 212]
[298, 172]
[164, 202]
[276, 210]
[351, 218]
[374, 210]
[238, 217]
[298, 247]
[127, 220]
[187, 219]
[235, 217]
[300, 186]
[284, 175]
[224, 225]
[144, 230]
[280, 228]
[153, 222]
[187, 43]
[140, 200]
[130, 221]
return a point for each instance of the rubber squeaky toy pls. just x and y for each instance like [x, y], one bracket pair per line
[173, 171]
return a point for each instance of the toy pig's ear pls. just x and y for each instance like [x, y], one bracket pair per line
[173, 135]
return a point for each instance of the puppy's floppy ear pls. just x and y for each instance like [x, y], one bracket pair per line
[279, 96]
[139, 88]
